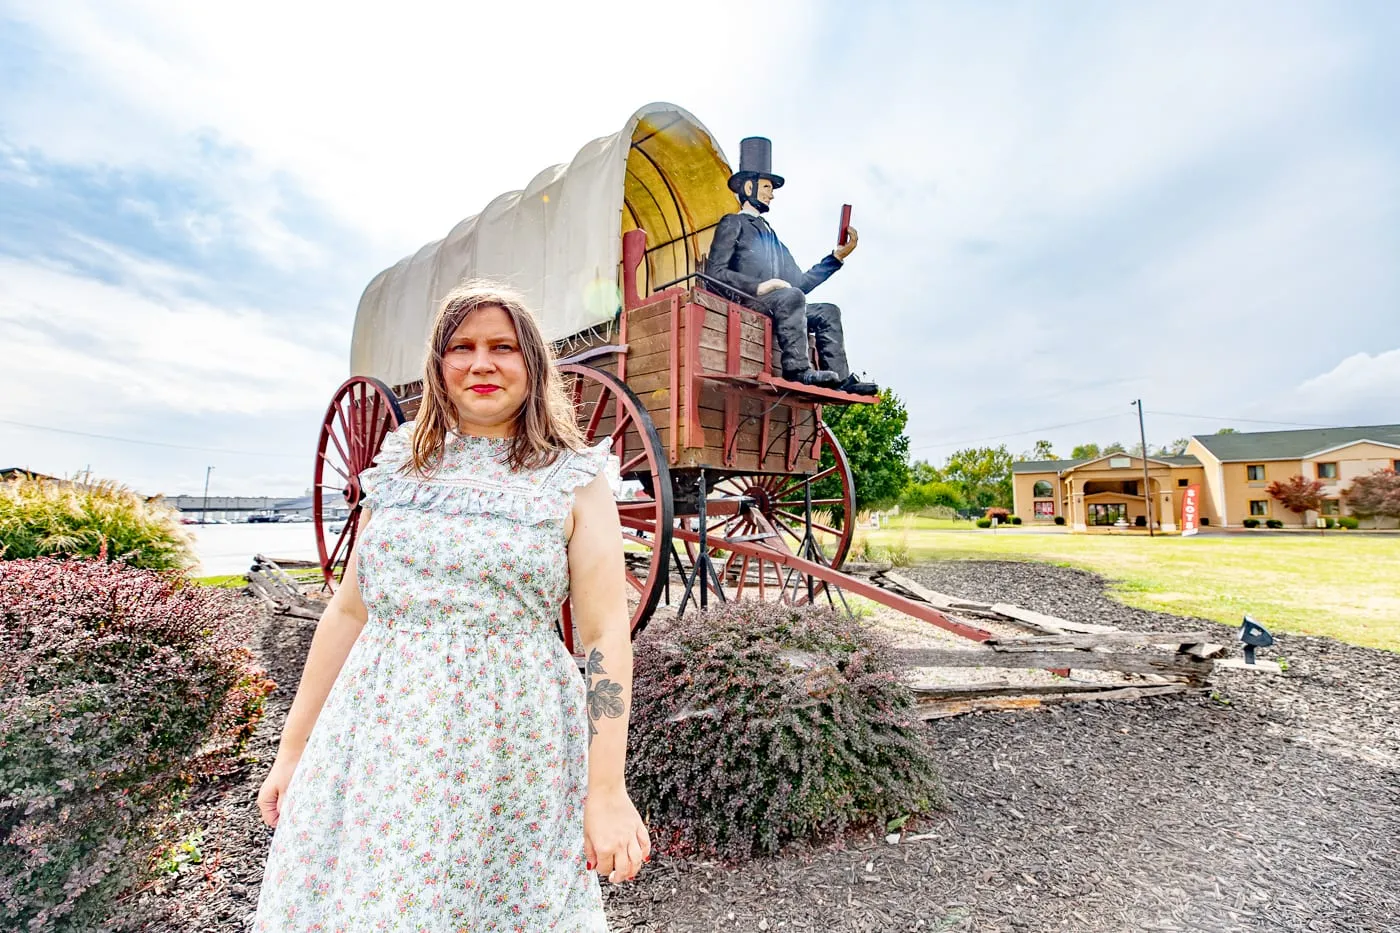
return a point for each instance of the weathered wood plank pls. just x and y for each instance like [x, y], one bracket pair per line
[941, 709]
[1038, 618]
[1134, 663]
[1169, 640]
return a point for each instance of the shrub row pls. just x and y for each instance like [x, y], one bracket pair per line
[123, 686]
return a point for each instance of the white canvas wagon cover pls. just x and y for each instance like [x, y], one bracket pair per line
[559, 241]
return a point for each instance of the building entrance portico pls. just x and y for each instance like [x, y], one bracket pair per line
[1104, 492]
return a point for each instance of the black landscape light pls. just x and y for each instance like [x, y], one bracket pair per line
[1253, 635]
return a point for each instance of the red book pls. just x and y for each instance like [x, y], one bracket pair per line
[845, 231]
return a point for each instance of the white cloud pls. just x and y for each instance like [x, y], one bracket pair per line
[83, 352]
[1363, 387]
[403, 121]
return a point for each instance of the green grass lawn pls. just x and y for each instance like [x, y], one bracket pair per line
[230, 581]
[238, 580]
[1346, 587]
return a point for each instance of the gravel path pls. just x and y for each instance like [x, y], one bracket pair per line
[1274, 805]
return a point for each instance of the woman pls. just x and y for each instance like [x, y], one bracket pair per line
[460, 775]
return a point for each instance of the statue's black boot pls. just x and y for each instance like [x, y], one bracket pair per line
[857, 387]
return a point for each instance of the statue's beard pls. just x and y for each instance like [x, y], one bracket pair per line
[758, 205]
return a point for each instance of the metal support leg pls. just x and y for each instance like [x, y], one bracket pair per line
[704, 569]
[809, 549]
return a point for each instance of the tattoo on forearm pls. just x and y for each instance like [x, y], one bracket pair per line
[604, 696]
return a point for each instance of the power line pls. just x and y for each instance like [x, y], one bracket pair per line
[1296, 424]
[997, 437]
[133, 440]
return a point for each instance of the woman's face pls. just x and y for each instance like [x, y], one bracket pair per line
[485, 373]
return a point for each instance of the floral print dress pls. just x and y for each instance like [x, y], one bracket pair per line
[442, 788]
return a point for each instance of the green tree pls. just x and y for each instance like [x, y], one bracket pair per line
[922, 472]
[1115, 448]
[876, 447]
[983, 474]
[1042, 451]
[1084, 452]
[920, 496]
[1227, 431]
[1176, 448]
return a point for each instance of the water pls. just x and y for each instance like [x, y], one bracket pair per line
[224, 549]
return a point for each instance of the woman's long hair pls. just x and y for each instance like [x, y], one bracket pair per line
[545, 423]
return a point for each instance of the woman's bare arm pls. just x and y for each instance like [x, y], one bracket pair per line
[616, 838]
[339, 626]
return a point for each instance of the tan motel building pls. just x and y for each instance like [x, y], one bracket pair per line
[1233, 471]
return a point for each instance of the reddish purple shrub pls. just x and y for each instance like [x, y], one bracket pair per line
[122, 686]
[1000, 514]
[757, 724]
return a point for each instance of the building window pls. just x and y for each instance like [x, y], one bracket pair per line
[1331, 507]
[1327, 470]
[1395, 465]
[1107, 513]
[1043, 489]
[1183, 483]
[1255, 472]
[1045, 508]
[1258, 506]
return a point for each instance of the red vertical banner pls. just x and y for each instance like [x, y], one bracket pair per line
[1191, 510]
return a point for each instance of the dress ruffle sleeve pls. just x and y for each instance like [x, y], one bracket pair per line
[379, 483]
[583, 465]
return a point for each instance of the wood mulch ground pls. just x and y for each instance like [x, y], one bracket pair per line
[1272, 805]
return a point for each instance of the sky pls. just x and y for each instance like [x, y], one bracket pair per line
[1062, 207]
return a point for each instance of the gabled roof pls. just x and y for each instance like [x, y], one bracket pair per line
[1293, 445]
[1344, 446]
[1064, 466]
[1044, 466]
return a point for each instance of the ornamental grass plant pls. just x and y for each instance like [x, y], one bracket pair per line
[756, 724]
[94, 521]
[122, 687]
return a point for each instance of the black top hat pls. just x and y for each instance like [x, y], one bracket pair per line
[755, 161]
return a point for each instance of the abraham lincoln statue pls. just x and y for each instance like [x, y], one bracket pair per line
[747, 256]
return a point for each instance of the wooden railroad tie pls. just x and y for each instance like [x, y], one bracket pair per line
[279, 592]
[1152, 663]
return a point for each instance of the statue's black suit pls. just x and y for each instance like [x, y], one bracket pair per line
[746, 252]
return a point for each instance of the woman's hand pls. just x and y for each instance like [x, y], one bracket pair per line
[615, 839]
[272, 796]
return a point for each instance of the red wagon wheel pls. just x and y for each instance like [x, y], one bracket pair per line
[777, 519]
[608, 409]
[361, 413]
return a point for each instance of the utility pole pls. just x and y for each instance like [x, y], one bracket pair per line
[204, 513]
[1146, 481]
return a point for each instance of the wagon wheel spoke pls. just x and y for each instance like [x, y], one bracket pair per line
[797, 484]
[815, 524]
[331, 463]
[344, 457]
[632, 464]
[599, 410]
[347, 534]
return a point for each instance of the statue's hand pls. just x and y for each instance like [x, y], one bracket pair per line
[841, 252]
[772, 285]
